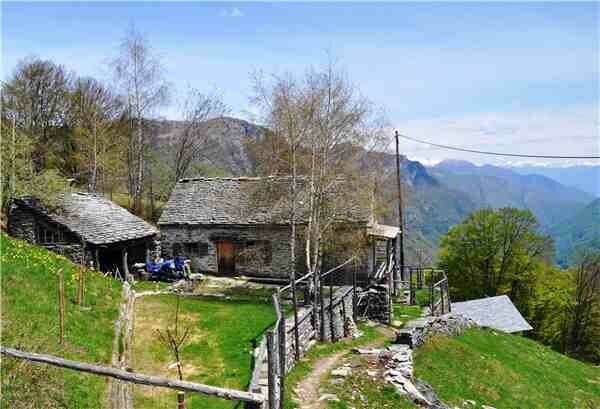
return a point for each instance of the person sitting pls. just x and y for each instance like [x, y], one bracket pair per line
[154, 266]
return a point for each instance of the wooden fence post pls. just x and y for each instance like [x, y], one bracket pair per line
[354, 312]
[81, 290]
[331, 326]
[431, 298]
[61, 306]
[321, 311]
[271, 369]
[180, 400]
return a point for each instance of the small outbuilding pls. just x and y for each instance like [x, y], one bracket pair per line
[493, 312]
[86, 228]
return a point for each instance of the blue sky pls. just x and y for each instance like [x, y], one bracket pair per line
[510, 76]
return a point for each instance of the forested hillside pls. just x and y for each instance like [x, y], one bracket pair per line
[577, 233]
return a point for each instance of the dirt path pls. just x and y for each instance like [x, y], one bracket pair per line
[307, 391]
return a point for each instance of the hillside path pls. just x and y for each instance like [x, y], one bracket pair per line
[307, 392]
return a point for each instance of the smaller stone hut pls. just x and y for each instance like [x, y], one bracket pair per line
[86, 228]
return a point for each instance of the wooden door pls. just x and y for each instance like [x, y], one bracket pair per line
[226, 257]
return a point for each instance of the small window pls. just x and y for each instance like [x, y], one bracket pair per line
[195, 249]
[45, 235]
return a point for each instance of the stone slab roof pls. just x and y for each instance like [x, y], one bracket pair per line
[95, 219]
[493, 312]
[247, 201]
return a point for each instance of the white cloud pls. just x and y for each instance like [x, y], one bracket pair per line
[571, 131]
[232, 12]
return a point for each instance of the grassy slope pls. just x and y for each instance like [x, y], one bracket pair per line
[506, 371]
[223, 335]
[30, 322]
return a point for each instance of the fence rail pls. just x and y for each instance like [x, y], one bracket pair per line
[137, 378]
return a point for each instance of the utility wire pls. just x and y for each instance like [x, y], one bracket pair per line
[454, 148]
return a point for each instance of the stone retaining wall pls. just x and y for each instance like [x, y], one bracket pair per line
[342, 311]
[416, 332]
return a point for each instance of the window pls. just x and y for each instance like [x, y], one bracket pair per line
[45, 234]
[197, 249]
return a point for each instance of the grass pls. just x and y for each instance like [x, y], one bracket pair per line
[305, 365]
[506, 371]
[140, 286]
[360, 391]
[406, 313]
[30, 322]
[219, 352]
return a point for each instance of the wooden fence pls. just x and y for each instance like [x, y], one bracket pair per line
[137, 378]
[320, 315]
[436, 283]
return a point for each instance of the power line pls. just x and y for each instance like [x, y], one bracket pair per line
[455, 148]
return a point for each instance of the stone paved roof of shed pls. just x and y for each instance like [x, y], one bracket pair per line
[97, 220]
[494, 312]
[244, 201]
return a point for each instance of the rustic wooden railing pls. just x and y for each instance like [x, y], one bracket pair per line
[137, 378]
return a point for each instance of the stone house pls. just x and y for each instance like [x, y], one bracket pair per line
[240, 225]
[86, 228]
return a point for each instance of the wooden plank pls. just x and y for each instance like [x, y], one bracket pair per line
[137, 378]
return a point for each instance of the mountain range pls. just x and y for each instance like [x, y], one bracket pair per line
[440, 196]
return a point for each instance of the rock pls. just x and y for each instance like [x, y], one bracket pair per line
[329, 396]
[341, 372]
[469, 402]
[414, 394]
[397, 323]
[336, 381]
[429, 394]
[372, 374]
[398, 348]
[487, 407]
[367, 351]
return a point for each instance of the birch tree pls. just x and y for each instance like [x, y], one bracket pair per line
[139, 75]
[323, 129]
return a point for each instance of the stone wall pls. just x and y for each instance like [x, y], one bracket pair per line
[74, 252]
[342, 311]
[277, 236]
[22, 224]
[306, 335]
[416, 332]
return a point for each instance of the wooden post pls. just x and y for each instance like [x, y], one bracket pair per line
[61, 306]
[272, 382]
[97, 259]
[295, 302]
[125, 266]
[331, 327]
[354, 291]
[374, 251]
[344, 318]
[431, 297]
[442, 296]
[321, 310]
[180, 400]
[81, 289]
